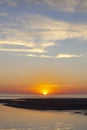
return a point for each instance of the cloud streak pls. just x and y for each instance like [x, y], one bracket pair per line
[70, 6]
[56, 57]
[23, 50]
[68, 56]
[11, 3]
[67, 5]
[39, 33]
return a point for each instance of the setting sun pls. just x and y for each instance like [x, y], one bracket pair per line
[45, 93]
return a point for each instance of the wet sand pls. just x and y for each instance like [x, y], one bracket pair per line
[48, 103]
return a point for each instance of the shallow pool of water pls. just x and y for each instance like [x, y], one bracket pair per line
[22, 119]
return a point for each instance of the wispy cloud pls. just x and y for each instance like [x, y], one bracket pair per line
[40, 56]
[4, 14]
[70, 6]
[14, 42]
[11, 3]
[67, 5]
[23, 50]
[56, 57]
[46, 30]
[68, 56]
[39, 33]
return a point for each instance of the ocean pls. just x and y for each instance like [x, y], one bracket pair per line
[25, 119]
[21, 119]
[16, 96]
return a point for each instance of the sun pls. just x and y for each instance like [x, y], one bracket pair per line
[45, 93]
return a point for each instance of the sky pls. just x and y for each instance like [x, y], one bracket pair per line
[43, 46]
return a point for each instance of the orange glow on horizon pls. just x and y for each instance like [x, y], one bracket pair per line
[46, 89]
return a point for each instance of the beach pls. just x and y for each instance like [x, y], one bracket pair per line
[47, 103]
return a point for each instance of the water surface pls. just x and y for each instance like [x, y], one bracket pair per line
[22, 119]
[19, 96]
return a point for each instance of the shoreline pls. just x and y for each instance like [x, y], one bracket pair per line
[47, 103]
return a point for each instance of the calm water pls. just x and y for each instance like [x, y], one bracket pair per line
[22, 119]
[16, 96]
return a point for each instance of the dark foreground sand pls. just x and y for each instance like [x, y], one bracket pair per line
[48, 103]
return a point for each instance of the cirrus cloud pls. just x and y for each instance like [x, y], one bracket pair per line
[68, 56]
[67, 5]
[11, 3]
[39, 33]
[56, 57]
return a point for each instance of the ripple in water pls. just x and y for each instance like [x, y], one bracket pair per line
[33, 126]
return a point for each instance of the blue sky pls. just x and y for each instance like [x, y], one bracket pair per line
[53, 32]
[35, 27]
